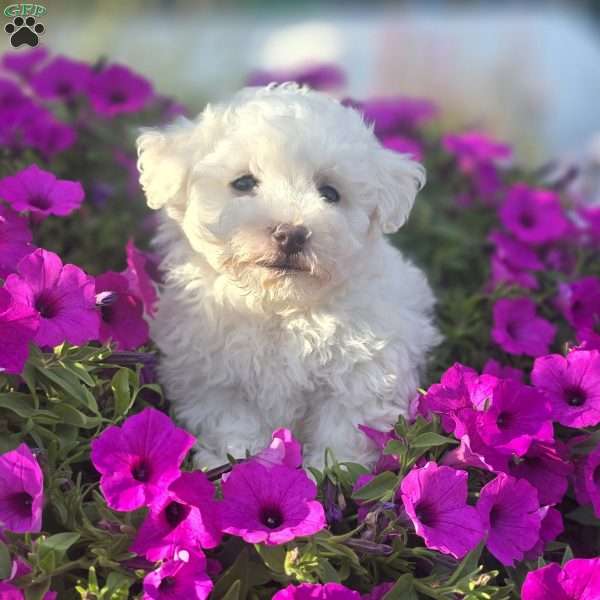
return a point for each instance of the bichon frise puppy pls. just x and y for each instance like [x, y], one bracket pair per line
[283, 303]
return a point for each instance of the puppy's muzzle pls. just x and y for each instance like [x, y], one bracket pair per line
[290, 239]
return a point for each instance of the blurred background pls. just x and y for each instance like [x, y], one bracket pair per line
[529, 72]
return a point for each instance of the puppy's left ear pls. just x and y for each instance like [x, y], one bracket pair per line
[399, 178]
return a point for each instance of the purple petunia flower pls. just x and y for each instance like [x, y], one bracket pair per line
[11, 97]
[284, 449]
[403, 145]
[572, 384]
[478, 157]
[24, 62]
[63, 297]
[391, 115]
[551, 527]
[318, 77]
[139, 278]
[516, 415]
[385, 462]
[44, 133]
[140, 459]
[435, 499]
[579, 301]
[10, 592]
[21, 491]
[122, 314]
[182, 577]
[547, 467]
[18, 326]
[510, 511]
[15, 240]
[186, 517]
[513, 261]
[518, 330]
[40, 192]
[116, 90]
[587, 480]
[270, 505]
[534, 216]
[317, 591]
[379, 591]
[61, 79]
[579, 579]
[493, 367]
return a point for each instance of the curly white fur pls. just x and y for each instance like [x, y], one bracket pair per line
[247, 348]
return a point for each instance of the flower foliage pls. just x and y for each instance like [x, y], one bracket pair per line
[491, 490]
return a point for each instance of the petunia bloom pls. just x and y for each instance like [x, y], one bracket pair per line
[517, 329]
[510, 511]
[61, 79]
[318, 77]
[187, 517]
[10, 592]
[572, 384]
[516, 415]
[534, 216]
[15, 240]
[116, 90]
[551, 527]
[140, 459]
[122, 314]
[316, 591]
[579, 579]
[493, 367]
[62, 296]
[40, 192]
[587, 480]
[270, 505]
[182, 577]
[24, 62]
[284, 449]
[18, 326]
[435, 499]
[580, 303]
[403, 145]
[379, 591]
[139, 277]
[547, 468]
[21, 491]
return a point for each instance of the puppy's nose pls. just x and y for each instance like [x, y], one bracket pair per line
[290, 238]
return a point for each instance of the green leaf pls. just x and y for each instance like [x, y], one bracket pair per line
[396, 447]
[58, 543]
[38, 590]
[403, 589]
[121, 391]
[20, 404]
[5, 562]
[567, 555]
[431, 440]
[584, 515]
[273, 556]
[328, 573]
[71, 416]
[233, 593]
[468, 565]
[382, 485]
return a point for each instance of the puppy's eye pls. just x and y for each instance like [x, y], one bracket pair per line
[329, 194]
[245, 183]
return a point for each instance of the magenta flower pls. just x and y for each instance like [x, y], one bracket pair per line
[41, 192]
[122, 314]
[572, 384]
[270, 505]
[61, 79]
[18, 326]
[510, 511]
[547, 468]
[516, 415]
[116, 90]
[182, 577]
[140, 459]
[24, 62]
[435, 499]
[587, 481]
[513, 261]
[518, 330]
[317, 591]
[534, 216]
[41, 131]
[551, 527]
[10, 592]
[579, 579]
[391, 115]
[580, 302]
[403, 145]
[284, 449]
[591, 222]
[11, 97]
[318, 77]
[21, 491]
[493, 367]
[187, 517]
[385, 462]
[379, 591]
[15, 240]
[138, 276]
[62, 296]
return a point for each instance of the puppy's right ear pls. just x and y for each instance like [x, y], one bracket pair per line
[163, 164]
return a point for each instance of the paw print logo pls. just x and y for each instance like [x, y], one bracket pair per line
[24, 31]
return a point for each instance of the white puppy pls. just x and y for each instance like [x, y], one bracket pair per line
[283, 304]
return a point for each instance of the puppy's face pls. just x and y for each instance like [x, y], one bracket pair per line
[283, 191]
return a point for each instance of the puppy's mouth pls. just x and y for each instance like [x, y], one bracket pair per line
[284, 266]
